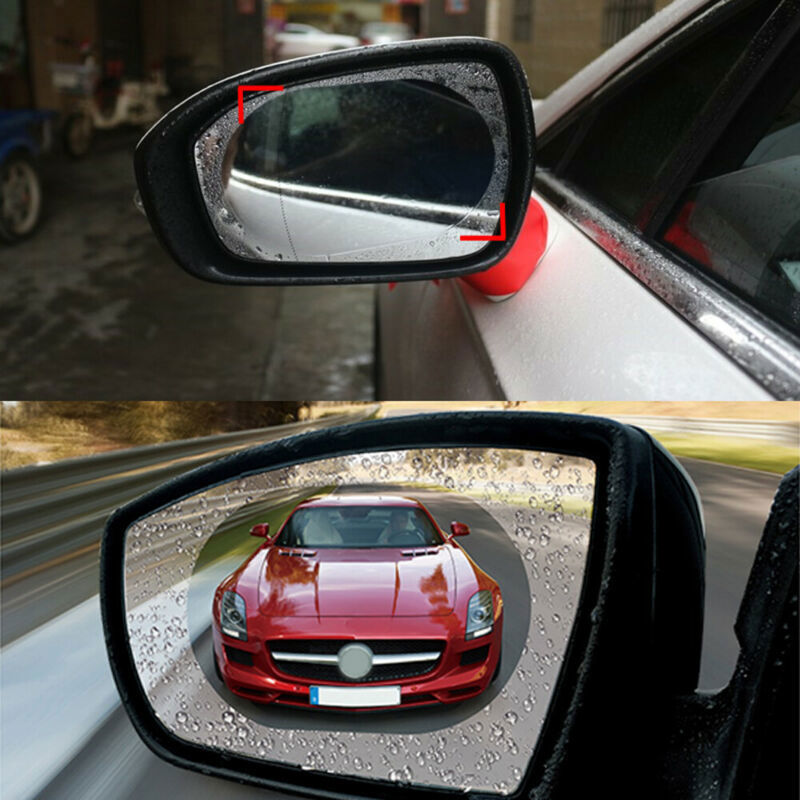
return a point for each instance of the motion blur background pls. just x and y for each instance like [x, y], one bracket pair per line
[67, 465]
[90, 285]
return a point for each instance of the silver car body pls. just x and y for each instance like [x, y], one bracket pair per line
[385, 32]
[587, 325]
[297, 40]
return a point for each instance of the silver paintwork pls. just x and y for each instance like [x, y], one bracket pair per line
[582, 328]
[760, 348]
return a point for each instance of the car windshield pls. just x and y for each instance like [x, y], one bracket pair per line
[359, 526]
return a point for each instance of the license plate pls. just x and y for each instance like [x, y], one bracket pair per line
[355, 696]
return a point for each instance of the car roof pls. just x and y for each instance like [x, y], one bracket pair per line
[360, 500]
[593, 75]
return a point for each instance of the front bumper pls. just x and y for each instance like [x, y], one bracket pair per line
[464, 669]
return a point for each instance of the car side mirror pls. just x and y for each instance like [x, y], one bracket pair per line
[391, 162]
[577, 599]
[261, 529]
[459, 529]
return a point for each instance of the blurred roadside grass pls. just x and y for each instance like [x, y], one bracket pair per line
[736, 452]
[49, 438]
[36, 432]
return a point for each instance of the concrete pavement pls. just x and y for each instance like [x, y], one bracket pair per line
[91, 306]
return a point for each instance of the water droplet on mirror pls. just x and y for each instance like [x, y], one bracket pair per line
[544, 540]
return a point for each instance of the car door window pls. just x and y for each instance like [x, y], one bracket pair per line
[740, 219]
[614, 151]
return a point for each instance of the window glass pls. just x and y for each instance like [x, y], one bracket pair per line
[616, 151]
[359, 526]
[743, 224]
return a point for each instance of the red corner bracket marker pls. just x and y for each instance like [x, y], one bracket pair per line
[252, 88]
[501, 237]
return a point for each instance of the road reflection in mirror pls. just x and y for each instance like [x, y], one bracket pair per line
[396, 164]
[357, 634]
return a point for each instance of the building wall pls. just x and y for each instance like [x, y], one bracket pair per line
[561, 38]
[196, 42]
[55, 29]
[438, 18]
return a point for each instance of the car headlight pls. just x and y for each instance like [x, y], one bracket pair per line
[233, 616]
[479, 614]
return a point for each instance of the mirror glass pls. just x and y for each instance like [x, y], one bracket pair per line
[366, 633]
[395, 164]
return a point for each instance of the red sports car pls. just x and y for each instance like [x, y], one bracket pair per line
[359, 601]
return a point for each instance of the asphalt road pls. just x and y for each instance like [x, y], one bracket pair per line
[91, 300]
[736, 504]
[114, 762]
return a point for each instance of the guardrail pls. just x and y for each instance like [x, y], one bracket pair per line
[53, 510]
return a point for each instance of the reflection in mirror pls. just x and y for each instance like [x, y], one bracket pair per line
[395, 164]
[370, 598]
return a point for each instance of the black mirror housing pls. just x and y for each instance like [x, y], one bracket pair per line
[171, 195]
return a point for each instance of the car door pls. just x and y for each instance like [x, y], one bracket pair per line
[613, 310]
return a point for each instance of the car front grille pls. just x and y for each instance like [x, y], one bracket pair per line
[315, 659]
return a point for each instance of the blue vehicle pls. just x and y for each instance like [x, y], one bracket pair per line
[23, 135]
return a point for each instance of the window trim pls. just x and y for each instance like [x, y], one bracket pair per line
[760, 347]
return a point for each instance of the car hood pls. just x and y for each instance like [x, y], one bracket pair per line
[380, 582]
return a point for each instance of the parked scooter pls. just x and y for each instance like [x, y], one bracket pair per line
[103, 99]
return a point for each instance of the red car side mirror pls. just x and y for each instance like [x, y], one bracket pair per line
[459, 529]
[262, 529]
